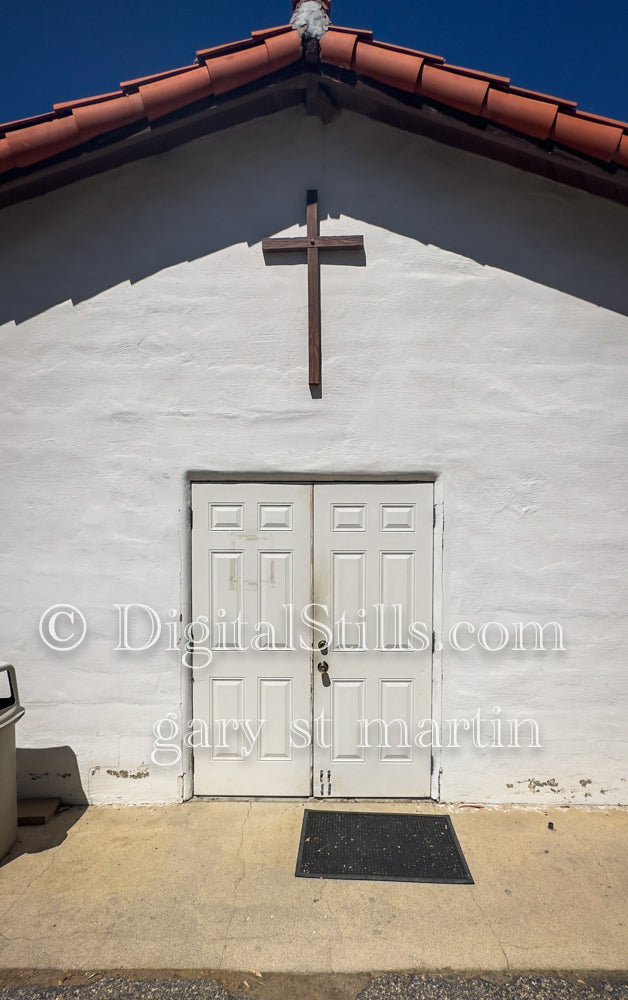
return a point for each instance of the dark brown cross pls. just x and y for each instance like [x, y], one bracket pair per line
[313, 242]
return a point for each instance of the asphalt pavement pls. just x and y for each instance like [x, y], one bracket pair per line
[389, 987]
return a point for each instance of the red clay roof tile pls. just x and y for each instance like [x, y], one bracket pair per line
[538, 96]
[621, 156]
[226, 49]
[338, 48]
[37, 142]
[226, 67]
[600, 119]
[238, 68]
[364, 33]
[600, 141]
[283, 50]
[7, 160]
[96, 119]
[393, 68]
[523, 114]
[462, 92]
[64, 105]
[165, 96]
[402, 48]
[269, 32]
[48, 116]
[166, 75]
[479, 75]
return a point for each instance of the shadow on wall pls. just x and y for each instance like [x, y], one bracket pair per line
[250, 182]
[49, 772]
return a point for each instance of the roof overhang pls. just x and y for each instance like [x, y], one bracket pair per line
[322, 88]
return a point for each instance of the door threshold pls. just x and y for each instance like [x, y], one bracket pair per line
[308, 800]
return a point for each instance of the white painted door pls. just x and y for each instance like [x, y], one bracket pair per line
[267, 721]
[251, 560]
[373, 571]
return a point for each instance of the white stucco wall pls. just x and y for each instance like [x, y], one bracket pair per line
[484, 342]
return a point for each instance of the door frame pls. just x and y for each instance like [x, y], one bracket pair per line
[186, 777]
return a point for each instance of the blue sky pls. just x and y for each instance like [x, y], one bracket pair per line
[67, 49]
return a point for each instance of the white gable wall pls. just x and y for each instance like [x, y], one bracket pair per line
[483, 343]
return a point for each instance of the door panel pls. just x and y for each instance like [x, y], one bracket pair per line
[372, 579]
[365, 560]
[251, 557]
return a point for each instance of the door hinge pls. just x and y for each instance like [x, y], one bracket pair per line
[433, 640]
[434, 521]
[191, 518]
[325, 784]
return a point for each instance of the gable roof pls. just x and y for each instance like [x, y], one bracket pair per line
[273, 69]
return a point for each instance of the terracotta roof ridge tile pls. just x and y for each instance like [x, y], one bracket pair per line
[407, 51]
[466, 93]
[394, 68]
[522, 114]
[34, 143]
[363, 33]
[537, 95]
[154, 77]
[621, 156]
[226, 48]
[98, 99]
[489, 96]
[163, 96]
[592, 117]
[478, 74]
[45, 116]
[227, 67]
[108, 116]
[271, 32]
[592, 138]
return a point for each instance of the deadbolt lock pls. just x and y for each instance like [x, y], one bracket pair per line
[323, 667]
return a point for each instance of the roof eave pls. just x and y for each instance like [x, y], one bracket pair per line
[339, 88]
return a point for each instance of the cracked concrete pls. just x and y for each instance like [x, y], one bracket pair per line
[211, 885]
[234, 903]
[488, 922]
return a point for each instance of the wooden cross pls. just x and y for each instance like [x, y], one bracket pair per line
[313, 242]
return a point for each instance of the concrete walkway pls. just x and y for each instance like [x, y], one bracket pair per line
[211, 885]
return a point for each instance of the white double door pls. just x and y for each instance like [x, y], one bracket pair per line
[313, 651]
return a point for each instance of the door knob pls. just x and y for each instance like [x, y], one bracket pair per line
[324, 648]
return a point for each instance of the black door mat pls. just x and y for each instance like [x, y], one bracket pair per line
[386, 847]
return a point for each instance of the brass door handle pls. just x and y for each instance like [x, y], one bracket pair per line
[323, 667]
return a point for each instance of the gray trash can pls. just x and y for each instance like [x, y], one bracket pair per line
[10, 712]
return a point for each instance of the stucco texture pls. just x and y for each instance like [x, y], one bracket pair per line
[481, 340]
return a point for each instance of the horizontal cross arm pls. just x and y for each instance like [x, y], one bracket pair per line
[282, 245]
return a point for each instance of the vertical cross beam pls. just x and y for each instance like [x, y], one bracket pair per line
[313, 243]
[313, 291]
